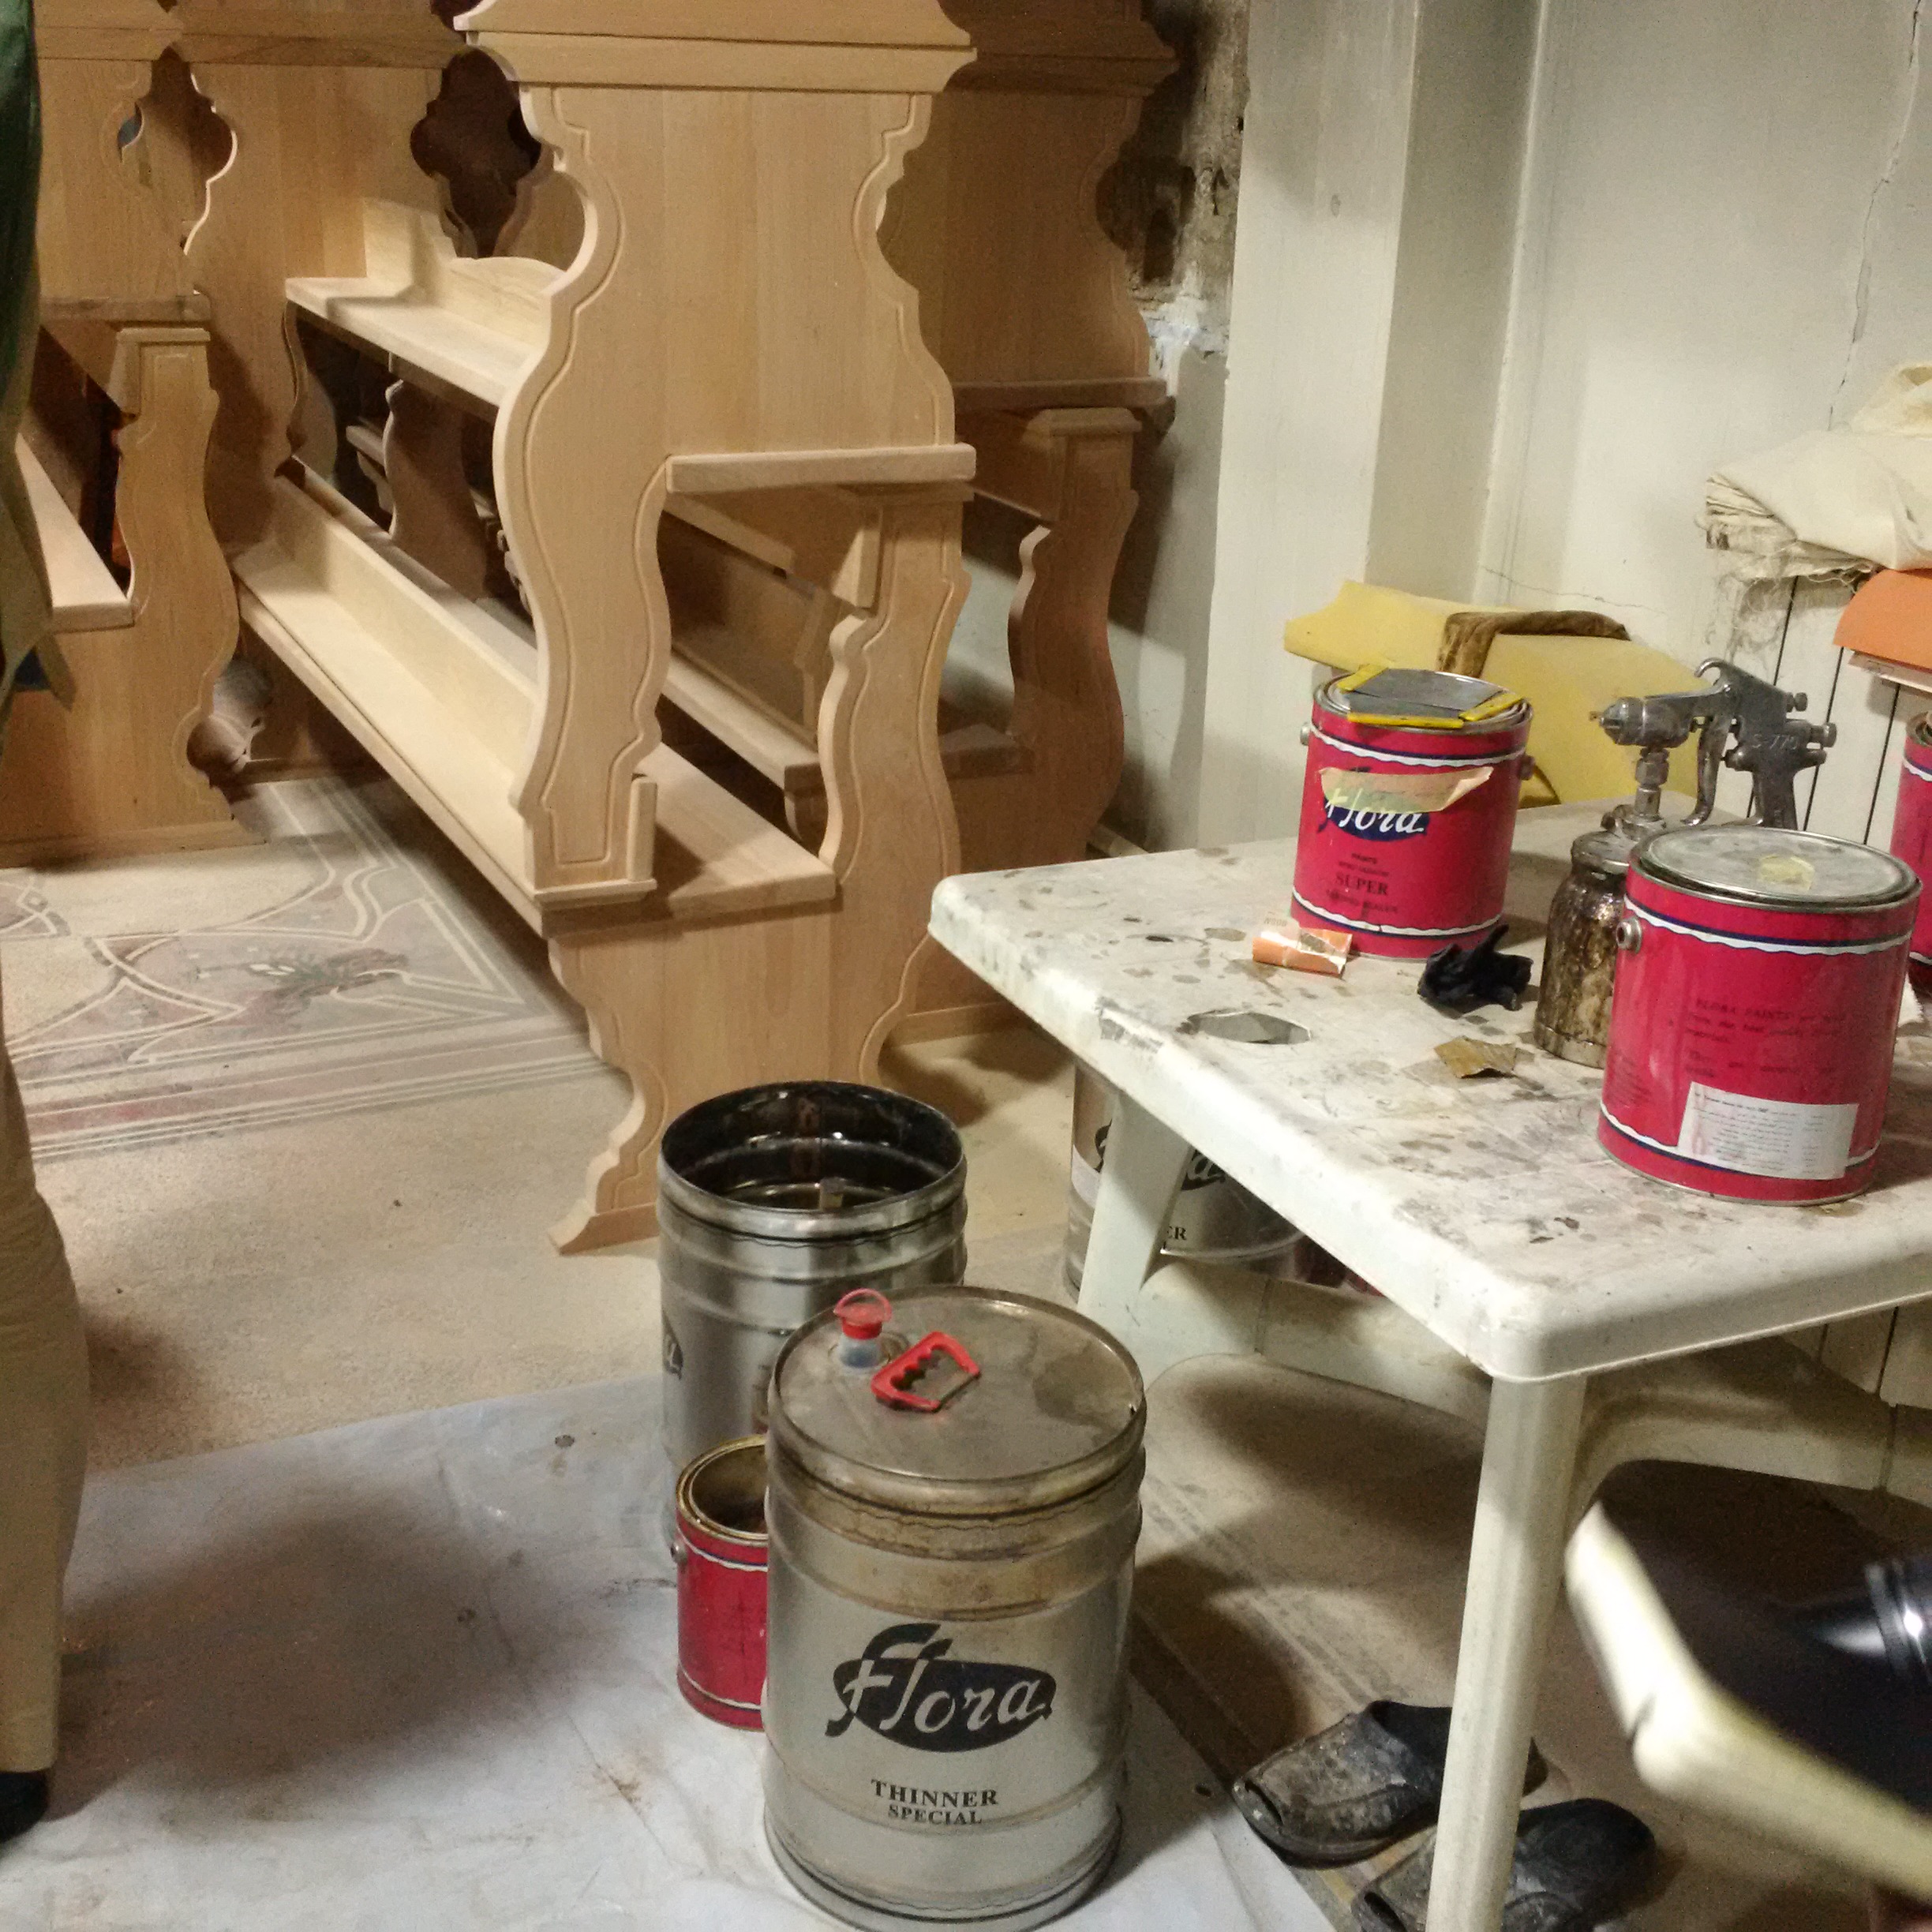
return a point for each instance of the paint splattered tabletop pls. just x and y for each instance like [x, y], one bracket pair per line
[1483, 1207]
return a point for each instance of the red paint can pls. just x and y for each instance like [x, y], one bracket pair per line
[1758, 993]
[722, 1555]
[1912, 837]
[1408, 809]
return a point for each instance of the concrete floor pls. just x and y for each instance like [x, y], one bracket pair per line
[270, 1090]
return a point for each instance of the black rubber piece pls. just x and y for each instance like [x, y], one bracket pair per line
[1458, 980]
[1577, 1864]
[1355, 1789]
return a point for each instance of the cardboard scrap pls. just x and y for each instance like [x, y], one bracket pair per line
[1474, 1059]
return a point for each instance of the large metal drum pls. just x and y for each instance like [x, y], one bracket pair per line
[1757, 996]
[945, 1696]
[1408, 808]
[1911, 838]
[772, 1204]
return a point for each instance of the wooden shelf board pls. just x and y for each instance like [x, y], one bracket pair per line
[781, 753]
[416, 339]
[715, 857]
[764, 741]
[86, 597]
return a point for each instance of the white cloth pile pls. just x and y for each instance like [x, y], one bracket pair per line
[1833, 502]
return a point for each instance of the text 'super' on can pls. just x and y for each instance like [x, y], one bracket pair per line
[1912, 837]
[945, 1700]
[1757, 998]
[1408, 808]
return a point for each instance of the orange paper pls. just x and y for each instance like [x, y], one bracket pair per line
[1302, 949]
[1891, 618]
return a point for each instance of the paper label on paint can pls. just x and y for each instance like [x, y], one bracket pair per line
[1780, 1139]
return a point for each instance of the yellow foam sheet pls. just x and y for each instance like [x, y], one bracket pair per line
[1565, 679]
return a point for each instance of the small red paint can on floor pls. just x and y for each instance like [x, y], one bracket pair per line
[721, 1556]
[1408, 808]
[1757, 991]
[1911, 838]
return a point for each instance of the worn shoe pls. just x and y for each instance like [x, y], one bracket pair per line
[1577, 1864]
[23, 1802]
[1357, 1787]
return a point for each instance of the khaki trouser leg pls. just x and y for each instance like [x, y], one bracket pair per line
[43, 1379]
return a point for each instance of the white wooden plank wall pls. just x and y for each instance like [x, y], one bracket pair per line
[1853, 794]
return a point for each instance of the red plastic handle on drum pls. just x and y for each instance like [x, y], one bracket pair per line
[889, 1385]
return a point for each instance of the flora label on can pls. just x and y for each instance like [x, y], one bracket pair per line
[905, 1687]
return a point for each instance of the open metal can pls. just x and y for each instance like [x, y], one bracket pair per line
[772, 1203]
[1408, 808]
[953, 1528]
[1911, 838]
[1756, 998]
[721, 1548]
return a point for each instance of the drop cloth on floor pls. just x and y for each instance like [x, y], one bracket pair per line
[421, 1673]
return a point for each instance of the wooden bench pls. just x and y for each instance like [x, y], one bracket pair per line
[692, 369]
[110, 775]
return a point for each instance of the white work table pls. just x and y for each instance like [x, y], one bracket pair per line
[1483, 1208]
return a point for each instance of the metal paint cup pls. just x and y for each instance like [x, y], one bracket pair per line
[1757, 998]
[722, 1549]
[1408, 808]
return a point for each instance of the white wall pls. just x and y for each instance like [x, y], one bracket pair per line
[1722, 214]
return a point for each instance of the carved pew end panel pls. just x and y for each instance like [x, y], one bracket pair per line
[111, 775]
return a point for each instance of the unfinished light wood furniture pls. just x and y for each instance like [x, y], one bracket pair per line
[721, 334]
[1584, 1315]
[109, 773]
[681, 433]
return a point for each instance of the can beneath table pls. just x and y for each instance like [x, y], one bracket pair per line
[946, 1699]
[1213, 1218]
[1911, 838]
[721, 1559]
[1408, 808]
[1757, 996]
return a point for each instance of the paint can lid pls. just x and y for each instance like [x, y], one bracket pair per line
[1443, 700]
[1764, 865]
[1056, 1409]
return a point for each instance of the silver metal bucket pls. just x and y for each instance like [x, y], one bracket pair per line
[772, 1203]
[945, 1692]
[1214, 1219]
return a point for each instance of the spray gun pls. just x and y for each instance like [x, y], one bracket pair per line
[1741, 722]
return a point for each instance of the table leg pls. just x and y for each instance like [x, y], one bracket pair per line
[1516, 1562]
[1139, 1179]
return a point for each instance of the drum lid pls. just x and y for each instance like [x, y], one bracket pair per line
[1057, 1409]
[1760, 865]
[1444, 699]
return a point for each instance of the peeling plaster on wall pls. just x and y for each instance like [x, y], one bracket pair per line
[1169, 205]
[1169, 202]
